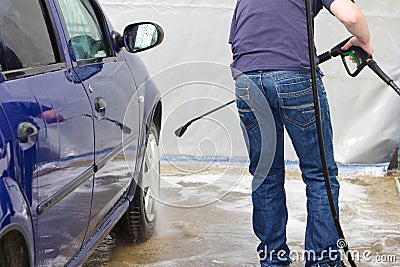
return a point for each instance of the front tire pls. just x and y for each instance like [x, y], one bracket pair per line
[138, 223]
[13, 251]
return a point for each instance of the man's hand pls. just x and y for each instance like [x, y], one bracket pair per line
[354, 41]
[354, 21]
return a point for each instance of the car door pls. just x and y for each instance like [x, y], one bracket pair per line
[5, 144]
[112, 94]
[54, 165]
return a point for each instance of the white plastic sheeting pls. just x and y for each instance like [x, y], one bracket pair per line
[191, 70]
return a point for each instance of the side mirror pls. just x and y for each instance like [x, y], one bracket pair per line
[140, 36]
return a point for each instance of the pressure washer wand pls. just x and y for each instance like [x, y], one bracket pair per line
[374, 66]
[181, 130]
[361, 58]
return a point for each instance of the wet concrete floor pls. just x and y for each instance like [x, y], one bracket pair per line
[204, 219]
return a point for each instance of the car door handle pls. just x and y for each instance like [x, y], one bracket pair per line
[100, 106]
[27, 133]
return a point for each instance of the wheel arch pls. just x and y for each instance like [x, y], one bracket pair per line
[15, 217]
[154, 116]
[17, 234]
[157, 117]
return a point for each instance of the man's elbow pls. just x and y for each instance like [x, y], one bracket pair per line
[352, 18]
[346, 12]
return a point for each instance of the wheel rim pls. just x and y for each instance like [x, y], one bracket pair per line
[150, 177]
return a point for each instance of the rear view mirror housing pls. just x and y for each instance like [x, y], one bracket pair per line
[140, 36]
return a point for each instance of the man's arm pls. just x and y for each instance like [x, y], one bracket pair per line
[354, 21]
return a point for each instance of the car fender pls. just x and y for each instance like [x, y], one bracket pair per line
[148, 93]
[146, 88]
[150, 103]
[15, 213]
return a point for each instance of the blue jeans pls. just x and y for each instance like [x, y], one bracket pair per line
[268, 102]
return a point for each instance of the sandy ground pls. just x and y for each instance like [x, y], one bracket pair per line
[205, 219]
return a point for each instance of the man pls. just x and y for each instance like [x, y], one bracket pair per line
[272, 73]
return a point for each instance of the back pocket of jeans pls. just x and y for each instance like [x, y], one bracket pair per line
[297, 101]
[243, 104]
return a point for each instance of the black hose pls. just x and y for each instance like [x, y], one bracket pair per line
[324, 57]
[318, 120]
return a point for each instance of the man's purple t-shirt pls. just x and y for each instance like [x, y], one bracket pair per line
[271, 34]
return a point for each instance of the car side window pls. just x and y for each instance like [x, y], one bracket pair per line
[87, 40]
[24, 37]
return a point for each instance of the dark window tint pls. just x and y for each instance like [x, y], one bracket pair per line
[24, 38]
[87, 40]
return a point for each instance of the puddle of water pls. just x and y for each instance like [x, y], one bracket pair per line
[220, 234]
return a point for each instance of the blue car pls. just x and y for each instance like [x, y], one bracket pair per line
[79, 132]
